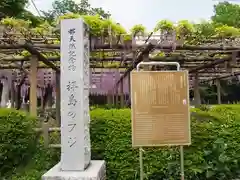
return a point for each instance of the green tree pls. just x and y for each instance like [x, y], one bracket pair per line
[61, 7]
[100, 12]
[27, 15]
[138, 29]
[227, 14]
[12, 8]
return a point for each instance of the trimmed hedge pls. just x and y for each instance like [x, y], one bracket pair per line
[214, 153]
[17, 139]
[42, 161]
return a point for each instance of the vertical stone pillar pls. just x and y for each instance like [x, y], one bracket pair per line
[75, 116]
[75, 154]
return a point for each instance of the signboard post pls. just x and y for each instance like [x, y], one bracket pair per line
[160, 109]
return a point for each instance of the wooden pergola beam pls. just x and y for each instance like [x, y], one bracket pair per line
[40, 57]
[224, 76]
[159, 46]
[47, 67]
[127, 59]
[208, 65]
[123, 46]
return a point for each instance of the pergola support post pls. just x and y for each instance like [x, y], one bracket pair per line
[33, 85]
[58, 99]
[218, 91]
[197, 97]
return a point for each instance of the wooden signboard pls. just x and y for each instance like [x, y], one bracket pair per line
[160, 108]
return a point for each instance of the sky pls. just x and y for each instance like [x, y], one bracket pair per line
[147, 12]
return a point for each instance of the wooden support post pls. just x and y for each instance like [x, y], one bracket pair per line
[218, 91]
[45, 128]
[49, 100]
[42, 98]
[129, 88]
[129, 78]
[121, 95]
[12, 94]
[146, 59]
[109, 101]
[234, 60]
[227, 66]
[33, 85]
[113, 97]
[117, 96]
[5, 92]
[197, 98]
[234, 57]
[58, 99]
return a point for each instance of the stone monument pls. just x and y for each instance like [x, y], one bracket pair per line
[75, 119]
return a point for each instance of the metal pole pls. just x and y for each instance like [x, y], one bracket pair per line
[141, 162]
[182, 162]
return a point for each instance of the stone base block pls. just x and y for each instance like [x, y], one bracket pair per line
[95, 171]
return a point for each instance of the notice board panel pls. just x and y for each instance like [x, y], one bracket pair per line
[160, 108]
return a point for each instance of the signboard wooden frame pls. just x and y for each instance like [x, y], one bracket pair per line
[160, 108]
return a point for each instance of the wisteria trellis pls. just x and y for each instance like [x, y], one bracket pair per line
[100, 82]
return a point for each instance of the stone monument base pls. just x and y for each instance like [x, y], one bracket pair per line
[95, 171]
